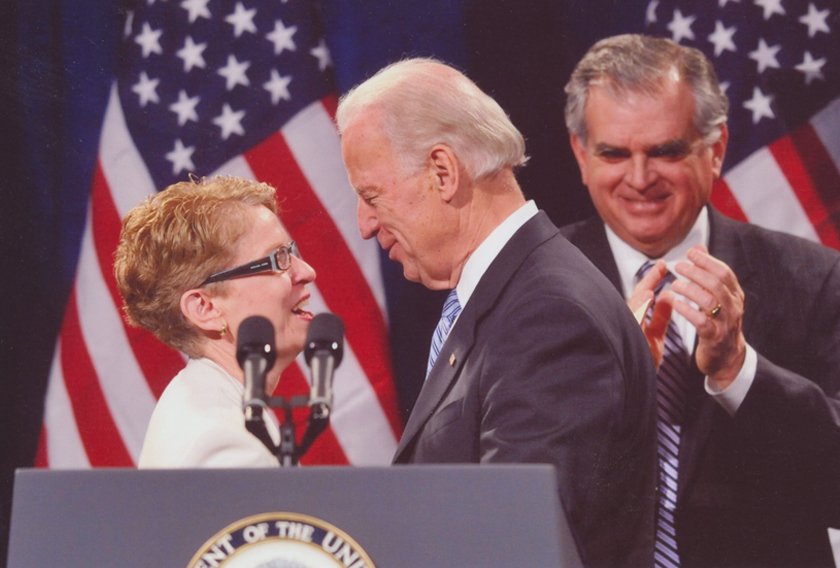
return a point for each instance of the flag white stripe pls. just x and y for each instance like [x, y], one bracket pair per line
[314, 142]
[826, 124]
[358, 421]
[124, 169]
[64, 446]
[121, 379]
[766, 197]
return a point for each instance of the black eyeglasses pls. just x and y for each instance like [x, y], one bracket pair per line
[278, 261]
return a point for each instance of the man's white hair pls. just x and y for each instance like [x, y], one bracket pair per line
[422, 102]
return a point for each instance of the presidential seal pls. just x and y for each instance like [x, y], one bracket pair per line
[281, 540]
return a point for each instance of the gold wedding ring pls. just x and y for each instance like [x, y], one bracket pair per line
[715, 311]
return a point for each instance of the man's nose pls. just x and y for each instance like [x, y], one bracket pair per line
[640, 174]
[368, 221]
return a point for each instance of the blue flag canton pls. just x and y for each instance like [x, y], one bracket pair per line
[202, 81]
[777, 60]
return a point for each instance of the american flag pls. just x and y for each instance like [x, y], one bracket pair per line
[218, 87]
[779, 63]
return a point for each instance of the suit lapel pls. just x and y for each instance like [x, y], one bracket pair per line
[461, 340]
[726, 245]
[591, 239]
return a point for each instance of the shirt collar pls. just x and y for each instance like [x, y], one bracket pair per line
[629, 260]
[483, 256]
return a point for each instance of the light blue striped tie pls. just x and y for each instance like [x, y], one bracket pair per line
[451, 309]
[671, 394]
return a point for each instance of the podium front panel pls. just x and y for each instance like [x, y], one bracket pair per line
[403, 517]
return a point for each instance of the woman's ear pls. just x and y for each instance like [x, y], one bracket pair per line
[202, 310]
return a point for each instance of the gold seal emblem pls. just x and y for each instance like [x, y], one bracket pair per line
[281, 540]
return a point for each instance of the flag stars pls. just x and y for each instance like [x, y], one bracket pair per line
[680, 26]
[129, 24]
[242, 20]
[770, 7]
[723, 3]
[815, 20]
[149, 40]
[650, 14]
[230, 121]
[722, 38]
[278, 86]
[765, 56]
[181, 157]
[759, 104]
[196, 9]
[322, 53]
[281, 37]
[234, 73]
[146, 89]
[812, 68]
[191, 53]
[185, 108]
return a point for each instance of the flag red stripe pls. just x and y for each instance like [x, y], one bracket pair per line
[822, 172]
[326, 450]
[102, 440]
[41, 455]
[787, 156]
[158, 362]
[724, 201]
[330, 103]
[321, 244]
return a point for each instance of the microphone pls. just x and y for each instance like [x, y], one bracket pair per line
[323, 352]
[256, 354]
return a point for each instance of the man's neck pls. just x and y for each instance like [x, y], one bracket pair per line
[494, 199]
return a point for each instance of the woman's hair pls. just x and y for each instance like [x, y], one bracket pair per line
[423, 102]
[173, 241]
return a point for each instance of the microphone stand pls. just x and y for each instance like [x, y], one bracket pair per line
[287, 452]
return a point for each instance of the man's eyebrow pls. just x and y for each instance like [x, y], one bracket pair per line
[602, 148]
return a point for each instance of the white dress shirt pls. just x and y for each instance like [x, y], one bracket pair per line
[483, 256]
[629, 261]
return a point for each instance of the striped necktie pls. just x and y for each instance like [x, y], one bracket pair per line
[451, 309]
[671, 394]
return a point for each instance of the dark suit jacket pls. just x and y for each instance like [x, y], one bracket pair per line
[761, 488]
[547, 365]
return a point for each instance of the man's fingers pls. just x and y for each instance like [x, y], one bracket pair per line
[657, 327]
[654, 275]
[700, 296]
[697, 318]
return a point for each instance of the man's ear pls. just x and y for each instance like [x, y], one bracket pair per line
[579, 150]
[719, 150]
[446, 171]
[202, 309]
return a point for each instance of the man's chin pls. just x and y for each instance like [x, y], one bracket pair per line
[411, 274]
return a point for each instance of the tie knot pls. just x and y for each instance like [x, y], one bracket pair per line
[451, 307]
[643, 271]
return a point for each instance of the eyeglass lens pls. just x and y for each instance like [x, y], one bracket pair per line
[283, 256]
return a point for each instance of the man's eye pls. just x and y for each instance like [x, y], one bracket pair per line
[668, 154]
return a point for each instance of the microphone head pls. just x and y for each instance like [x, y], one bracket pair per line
[326, 332]
[256, 337]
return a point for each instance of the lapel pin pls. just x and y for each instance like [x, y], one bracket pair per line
[452, 360]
